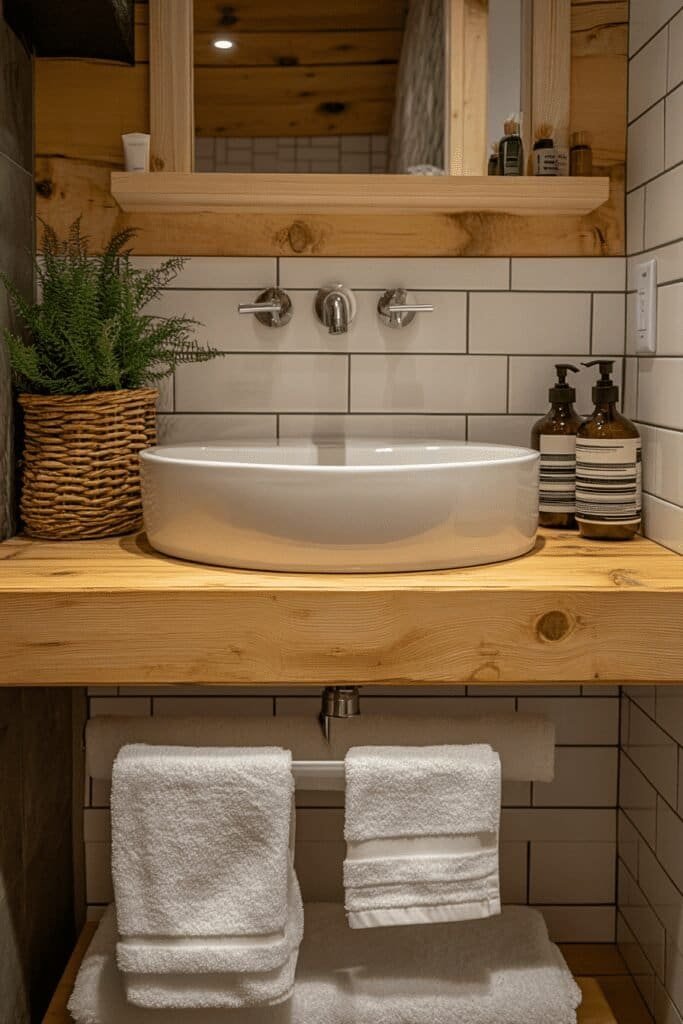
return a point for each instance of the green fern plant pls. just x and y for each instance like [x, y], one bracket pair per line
[90, 330]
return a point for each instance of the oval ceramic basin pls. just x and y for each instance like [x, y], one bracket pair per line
[347, 507]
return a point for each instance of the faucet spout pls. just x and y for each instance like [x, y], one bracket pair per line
[336, 308]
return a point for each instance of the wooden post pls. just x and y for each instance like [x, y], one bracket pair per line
[171, 69]
[551, 68]
[467, 63]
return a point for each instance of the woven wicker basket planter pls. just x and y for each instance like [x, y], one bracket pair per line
[80, 472]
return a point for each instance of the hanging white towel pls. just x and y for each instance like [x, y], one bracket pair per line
[208, 906]
[421, 831]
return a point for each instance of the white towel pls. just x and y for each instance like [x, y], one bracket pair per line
[208, 906]
[421, 830]
[498, 971]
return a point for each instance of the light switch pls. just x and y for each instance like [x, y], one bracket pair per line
[646, 307]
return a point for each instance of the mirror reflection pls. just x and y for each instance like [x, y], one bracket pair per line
[340, 87]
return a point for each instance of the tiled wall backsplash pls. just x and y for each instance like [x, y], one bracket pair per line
[655, 229]
[315, 154]
[650, 920]
[478, 367]
[558, 839]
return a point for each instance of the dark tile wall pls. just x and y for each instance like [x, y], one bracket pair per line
[36, 872]
[16, 235]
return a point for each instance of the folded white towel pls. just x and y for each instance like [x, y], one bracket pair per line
[208, 906]
[498, 971]
[421, 829]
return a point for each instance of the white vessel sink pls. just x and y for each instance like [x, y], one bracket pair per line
[347, 507]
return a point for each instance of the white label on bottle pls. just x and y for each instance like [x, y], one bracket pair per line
[608, 480]
[558, 472]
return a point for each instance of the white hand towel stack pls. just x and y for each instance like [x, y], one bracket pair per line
[208, 906]
[421, 834]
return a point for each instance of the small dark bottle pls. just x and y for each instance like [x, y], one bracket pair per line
[608, 466]
[554, 436]
[511, 151]
[493, 160]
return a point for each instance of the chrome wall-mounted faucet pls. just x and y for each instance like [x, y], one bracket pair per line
[272, 308]
[395, 311]
[338, 702]
[335, 307]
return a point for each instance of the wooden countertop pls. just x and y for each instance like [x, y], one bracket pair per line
[115, 612]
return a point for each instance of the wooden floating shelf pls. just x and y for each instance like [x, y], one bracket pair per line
[115, 613]
[169, 192]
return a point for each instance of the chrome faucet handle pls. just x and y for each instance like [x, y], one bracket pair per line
[335, 307]
[394, 310]
[272, 308]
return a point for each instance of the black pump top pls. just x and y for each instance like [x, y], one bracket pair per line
[561, 391]
[605, 390]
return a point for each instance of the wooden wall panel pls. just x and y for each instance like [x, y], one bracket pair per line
[82, 108]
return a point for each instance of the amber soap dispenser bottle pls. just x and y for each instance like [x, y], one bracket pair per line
[608, 466]
[554, 436]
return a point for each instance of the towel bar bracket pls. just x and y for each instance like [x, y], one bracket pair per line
[338, 702]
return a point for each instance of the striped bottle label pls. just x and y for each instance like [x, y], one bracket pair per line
[608, 480]
[558, 473]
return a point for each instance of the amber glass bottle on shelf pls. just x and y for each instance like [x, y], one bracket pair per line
[608, 466]
[554, 436]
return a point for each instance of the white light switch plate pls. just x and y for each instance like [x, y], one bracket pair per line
[646, 307]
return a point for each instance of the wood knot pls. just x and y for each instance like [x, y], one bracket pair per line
[44, 188]
[623, 578]
[553, 627]
[299, 236]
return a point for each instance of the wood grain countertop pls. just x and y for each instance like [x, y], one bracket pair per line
[114, 612]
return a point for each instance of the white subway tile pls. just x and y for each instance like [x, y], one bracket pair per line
[664, 209]
[439, 706]
[609, 314]
[584, 777]
[165, 400]
[516, 794]
[669, 264]
[513, 872]
[670, 842]
[638, 799]
[629, 402]
[673, 151]
[646, 18]
[320, 824]
[573, 274]
[529, 322]
[660, 387]
[675, 51]
[635, 220]
[100, 792]
[458, 384]
[558, 825]
[501, 429]
[255, 272]
[580, 924]
[532, 376]
[458, 274]
[674, 975]
[641, 919]
[663, 522]
[647, 75]
[399, 428]
[571, 872]
[670, 320]
[646, 147]
[638, 964]
[661, 894]
[264, 383]
[663, 464]
[180, 428]
[628, 843]
[98, 884]
[96, 826]
[198, 706]
[120, 706]
[669, 711]
[653, 752]
[578, 720]
[319, 870]
[665, 1011]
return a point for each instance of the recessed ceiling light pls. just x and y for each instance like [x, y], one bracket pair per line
[223, 44]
